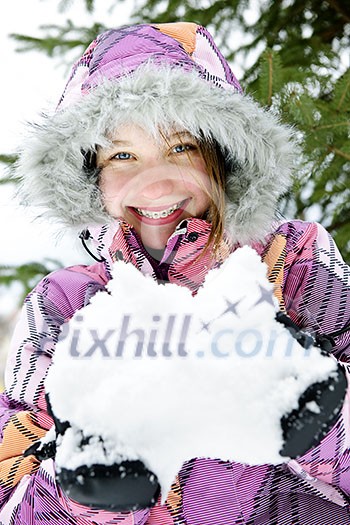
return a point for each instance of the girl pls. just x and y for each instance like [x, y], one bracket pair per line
[157, 155]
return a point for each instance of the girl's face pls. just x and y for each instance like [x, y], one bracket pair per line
[151, 184]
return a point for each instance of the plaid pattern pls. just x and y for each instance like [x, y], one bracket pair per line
[118, 52]
[311, 282]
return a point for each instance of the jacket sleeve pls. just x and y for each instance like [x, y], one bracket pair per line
[316, 286]
[317, 297]
[28, 489]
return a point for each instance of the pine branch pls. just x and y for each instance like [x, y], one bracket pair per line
[8, 177]
[8, 158]
[337, 151]
[344, 94]
[49, 44]
[331, 126]
[269, 95]
[270, 77]
[59, 38]
[340, 9]
[8, 180]
[89, 5]
[28, 274]
[65, 4]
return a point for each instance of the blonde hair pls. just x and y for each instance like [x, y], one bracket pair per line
[215, 163]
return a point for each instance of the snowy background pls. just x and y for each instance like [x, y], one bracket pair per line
[30, 82]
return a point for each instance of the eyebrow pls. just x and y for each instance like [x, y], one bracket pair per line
[179, 133]
[123, 142]
[172, 135]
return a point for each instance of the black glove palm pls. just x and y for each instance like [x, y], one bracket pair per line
[304, 427]
[125, 486]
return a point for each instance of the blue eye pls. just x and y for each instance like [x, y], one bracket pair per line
[122, 156]
[181, 148]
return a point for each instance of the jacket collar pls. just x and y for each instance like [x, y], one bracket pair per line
[117, 236]
[119, 241]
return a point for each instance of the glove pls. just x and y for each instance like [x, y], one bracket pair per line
[125, 486]
[304, 427]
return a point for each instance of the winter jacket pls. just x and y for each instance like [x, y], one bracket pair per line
[312, 284]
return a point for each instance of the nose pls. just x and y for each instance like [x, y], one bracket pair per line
[157, 189]
[155, 184]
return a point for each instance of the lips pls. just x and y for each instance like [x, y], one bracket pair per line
[160, 216]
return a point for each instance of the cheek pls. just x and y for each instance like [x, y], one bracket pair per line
[112, 187]
[200, 185]
[202, 177]
[111, 194]
[205, 193]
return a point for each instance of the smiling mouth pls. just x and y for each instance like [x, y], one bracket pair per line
[161, 214]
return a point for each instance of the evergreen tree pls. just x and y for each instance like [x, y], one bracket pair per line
[292, 58]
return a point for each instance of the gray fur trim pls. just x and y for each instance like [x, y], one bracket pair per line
[51, 163]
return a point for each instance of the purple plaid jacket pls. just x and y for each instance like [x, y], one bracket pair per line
[313, 285]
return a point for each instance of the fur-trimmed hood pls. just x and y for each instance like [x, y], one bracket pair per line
[157, 77]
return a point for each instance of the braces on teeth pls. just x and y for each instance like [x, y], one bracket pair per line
[158, 214]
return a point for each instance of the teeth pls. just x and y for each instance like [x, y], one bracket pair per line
[158, 214]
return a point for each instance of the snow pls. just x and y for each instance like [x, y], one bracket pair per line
[312, 406]
[214, 375]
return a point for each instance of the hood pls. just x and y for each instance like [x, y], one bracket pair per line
[157, 76]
